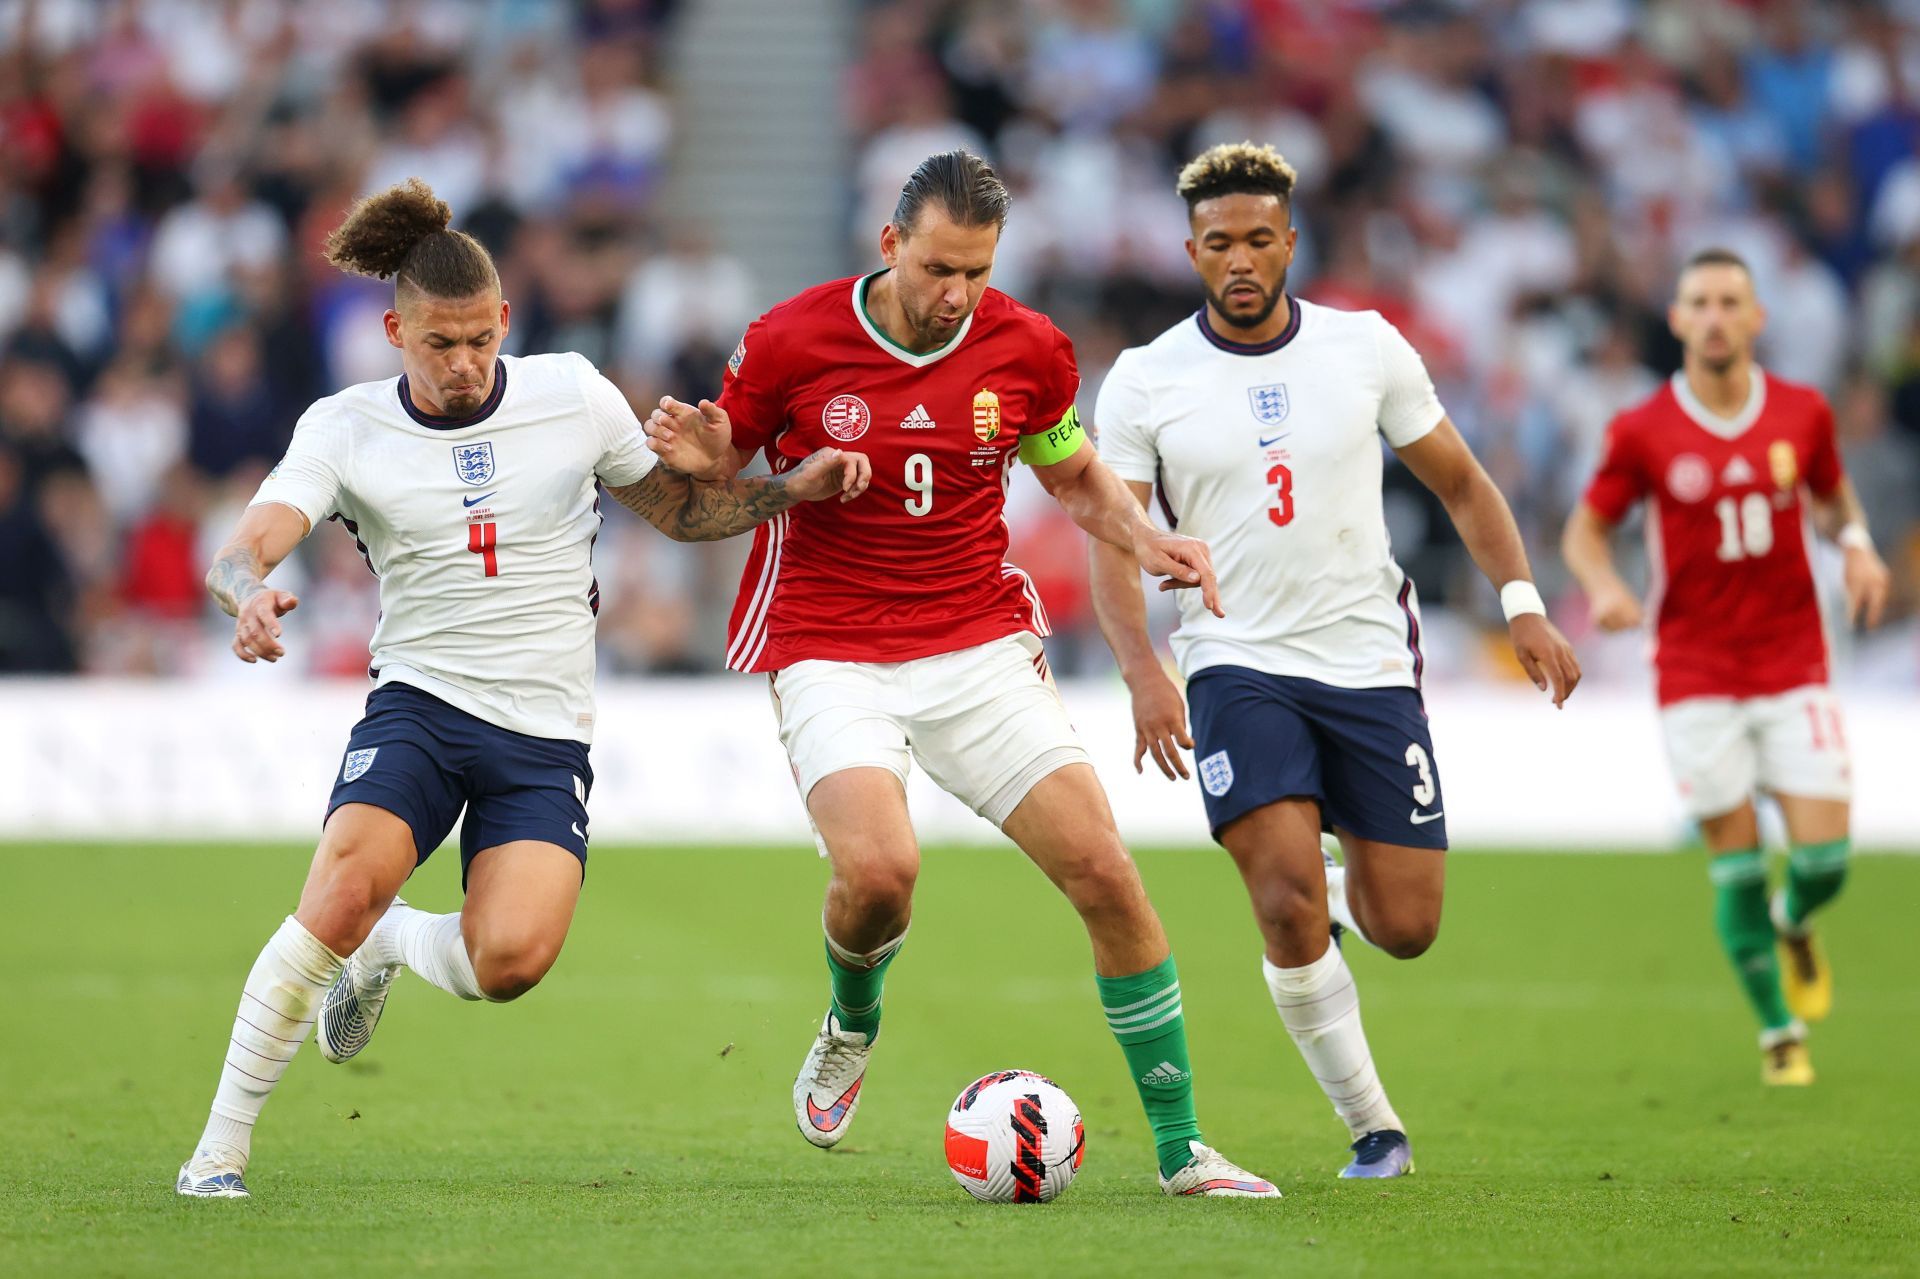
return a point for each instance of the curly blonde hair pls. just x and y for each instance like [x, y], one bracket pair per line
[1236, 168]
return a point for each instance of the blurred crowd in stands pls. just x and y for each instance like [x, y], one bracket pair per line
[1512, 182]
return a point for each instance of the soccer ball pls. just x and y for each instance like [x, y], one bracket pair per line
[1014, 1137]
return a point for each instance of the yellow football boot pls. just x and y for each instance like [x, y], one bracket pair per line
[1786, 1064]
[1805, 977]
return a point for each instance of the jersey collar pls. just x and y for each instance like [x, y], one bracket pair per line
[917, 359]
[1727, 428]
[1232, 347]
[439, 422]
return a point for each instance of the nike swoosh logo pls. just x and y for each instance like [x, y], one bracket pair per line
[1419, 818]
[829, 1119]
[1264, 443]
[576, 829]
[475, 501]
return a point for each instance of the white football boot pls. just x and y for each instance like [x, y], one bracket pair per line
[214, 1172]
[351, 1007]
[1211, 1174]
[828, 1090]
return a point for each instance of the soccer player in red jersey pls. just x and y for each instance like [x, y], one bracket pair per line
[1723, 456]
[893, 630]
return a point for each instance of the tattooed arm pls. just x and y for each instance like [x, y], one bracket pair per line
[689, 510]
[266, 534]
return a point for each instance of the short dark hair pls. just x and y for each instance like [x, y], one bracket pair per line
[1716, 256]
[406, 233]
[1236, 168]
[958, 183]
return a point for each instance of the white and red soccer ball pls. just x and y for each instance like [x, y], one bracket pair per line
[1014, 1137]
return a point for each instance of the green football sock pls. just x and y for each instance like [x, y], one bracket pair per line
[857, 980]
[1143, 1011]
[1746, 932]
[1815, 873]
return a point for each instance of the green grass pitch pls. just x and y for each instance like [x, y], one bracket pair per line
[1574, 1062]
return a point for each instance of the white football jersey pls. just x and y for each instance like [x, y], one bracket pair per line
[481, 531]
[1271, 455]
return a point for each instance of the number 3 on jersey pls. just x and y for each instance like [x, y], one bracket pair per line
[1281, 512]
[481, 541]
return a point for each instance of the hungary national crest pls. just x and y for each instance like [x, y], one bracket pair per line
[986, 416]
[473, 463]
[1269, 403]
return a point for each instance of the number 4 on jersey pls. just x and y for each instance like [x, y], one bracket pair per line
[481, 541]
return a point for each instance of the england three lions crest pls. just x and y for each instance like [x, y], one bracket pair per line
[473, 463]
[1270, 404]
[358, 762]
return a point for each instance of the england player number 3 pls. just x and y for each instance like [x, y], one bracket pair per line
[1281, 512]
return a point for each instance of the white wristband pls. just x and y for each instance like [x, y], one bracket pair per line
[1521, 596]
[1854, 537]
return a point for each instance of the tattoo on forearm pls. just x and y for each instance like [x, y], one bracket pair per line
[235, 578]
[689, 511]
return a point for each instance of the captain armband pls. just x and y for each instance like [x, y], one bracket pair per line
[1055, 444]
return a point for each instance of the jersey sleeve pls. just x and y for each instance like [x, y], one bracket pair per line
[1409, 409]
[1059, 386]
[624, 456]
[1824, 472]
[308, 476]
[1053, 433]
[1621, 480]
[1120, 423]
[752, 390]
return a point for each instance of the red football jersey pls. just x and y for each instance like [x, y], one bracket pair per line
[1734, 604]
[917, 565]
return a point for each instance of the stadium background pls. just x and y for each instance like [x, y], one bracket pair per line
[1510, 181]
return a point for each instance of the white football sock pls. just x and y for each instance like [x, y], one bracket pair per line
[431, 945]
[1321, 1010]
[1337, 907]
[276, 1012]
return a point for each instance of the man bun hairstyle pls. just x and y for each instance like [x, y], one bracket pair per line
[405, 233]
[959, 184]
[1236, 168]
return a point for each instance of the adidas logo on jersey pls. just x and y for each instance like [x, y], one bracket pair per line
[1739, 471]
[918, 420]
[1165, 1073]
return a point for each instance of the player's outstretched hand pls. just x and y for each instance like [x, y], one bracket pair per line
[1545, 655]
[1160, 727]
[1613, 607]
[1183, 562]
[1868, 583]
[829, 471]
[694, 439]
[256, 627]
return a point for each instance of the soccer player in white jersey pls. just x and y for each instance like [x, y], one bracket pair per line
[470, 483]
[1260, 419]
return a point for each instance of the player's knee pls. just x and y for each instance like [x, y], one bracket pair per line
[506, 973]
[875, 887]
[1102, 878]
[1288, 909]
[1405, 938]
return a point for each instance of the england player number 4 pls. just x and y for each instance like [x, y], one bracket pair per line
[481, 541]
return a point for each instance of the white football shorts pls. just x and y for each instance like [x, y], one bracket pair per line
[985, 723]
[1723, 749]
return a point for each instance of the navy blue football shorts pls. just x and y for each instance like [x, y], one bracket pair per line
[1364, 753]
[423, 761]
